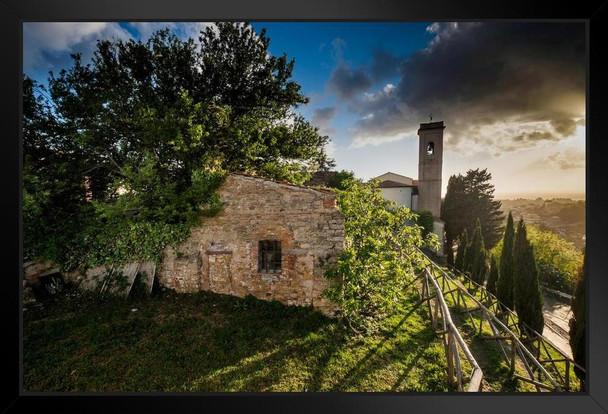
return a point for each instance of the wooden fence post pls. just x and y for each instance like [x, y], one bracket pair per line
[513, 354]
[451, 358]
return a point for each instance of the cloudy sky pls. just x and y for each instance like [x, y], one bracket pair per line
[512, 95]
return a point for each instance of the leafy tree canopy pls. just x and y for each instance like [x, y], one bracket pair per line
[380, 254]
[558, 260]
[425, 220]
[144, 133]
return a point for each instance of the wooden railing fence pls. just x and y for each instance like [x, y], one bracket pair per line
[544, 364]
[545, 351]
[452, 340]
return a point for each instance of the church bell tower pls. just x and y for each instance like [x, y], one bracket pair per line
[430, 160]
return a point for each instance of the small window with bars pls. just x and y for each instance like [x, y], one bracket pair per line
[269, 256]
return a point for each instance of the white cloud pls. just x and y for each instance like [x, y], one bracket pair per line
[330, 149]
[568, 159]
[338, 47]
[183, 30]
[388, 87]
[362, 141]
[48, 44]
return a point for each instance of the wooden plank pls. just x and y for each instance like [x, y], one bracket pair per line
[557, 292]
[541, 342]
[528, 369]
[94, 278]
[123, 281]
[457, 365]
[451, 357]
[497, 338]
[536, 383]
[147, 271]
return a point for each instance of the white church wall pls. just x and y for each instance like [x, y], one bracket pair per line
[400, 195]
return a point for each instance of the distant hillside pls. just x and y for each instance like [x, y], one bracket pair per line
[563, 216]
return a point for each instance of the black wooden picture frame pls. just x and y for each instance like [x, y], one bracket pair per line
[14, 12]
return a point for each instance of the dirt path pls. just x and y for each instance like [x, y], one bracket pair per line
[557, 314]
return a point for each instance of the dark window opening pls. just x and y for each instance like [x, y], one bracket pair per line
[269, 256]
[430, 148]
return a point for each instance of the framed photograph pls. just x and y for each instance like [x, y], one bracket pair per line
[376, 207]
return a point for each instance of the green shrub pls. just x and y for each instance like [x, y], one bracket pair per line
[558, 260]
[372, 275]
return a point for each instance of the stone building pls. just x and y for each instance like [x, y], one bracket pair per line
[271, 240]
[424, 193]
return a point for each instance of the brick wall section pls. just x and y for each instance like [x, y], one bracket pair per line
[221, 255]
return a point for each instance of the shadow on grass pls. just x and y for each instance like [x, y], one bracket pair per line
[206, 342]
[359, 370]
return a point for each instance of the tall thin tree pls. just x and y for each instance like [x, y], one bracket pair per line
[528, 297]
[477, 263]
[493, 278]
[462, 244]
[505, 285]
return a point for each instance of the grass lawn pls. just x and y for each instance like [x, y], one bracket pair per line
[205, 342]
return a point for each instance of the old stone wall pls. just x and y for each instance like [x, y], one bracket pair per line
[221, 255]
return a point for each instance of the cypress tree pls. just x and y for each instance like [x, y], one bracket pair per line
[477, 256]
[506, 282]
[493, 278]
[578, 325]
[528, 297]
[468, 257]
[462, 244]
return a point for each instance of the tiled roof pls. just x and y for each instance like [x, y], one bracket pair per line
[392, 184]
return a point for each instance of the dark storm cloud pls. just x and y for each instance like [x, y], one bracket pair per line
[535, 136]
[526, 78]
[347, 82]
[321, 117]
[385, 65]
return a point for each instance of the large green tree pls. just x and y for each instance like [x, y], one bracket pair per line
[528, 297]
[151, 127]
[54, 204]
[469, 197]
[578, 324]
[505, 287]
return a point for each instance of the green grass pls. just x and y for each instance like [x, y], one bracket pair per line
[206, 342]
